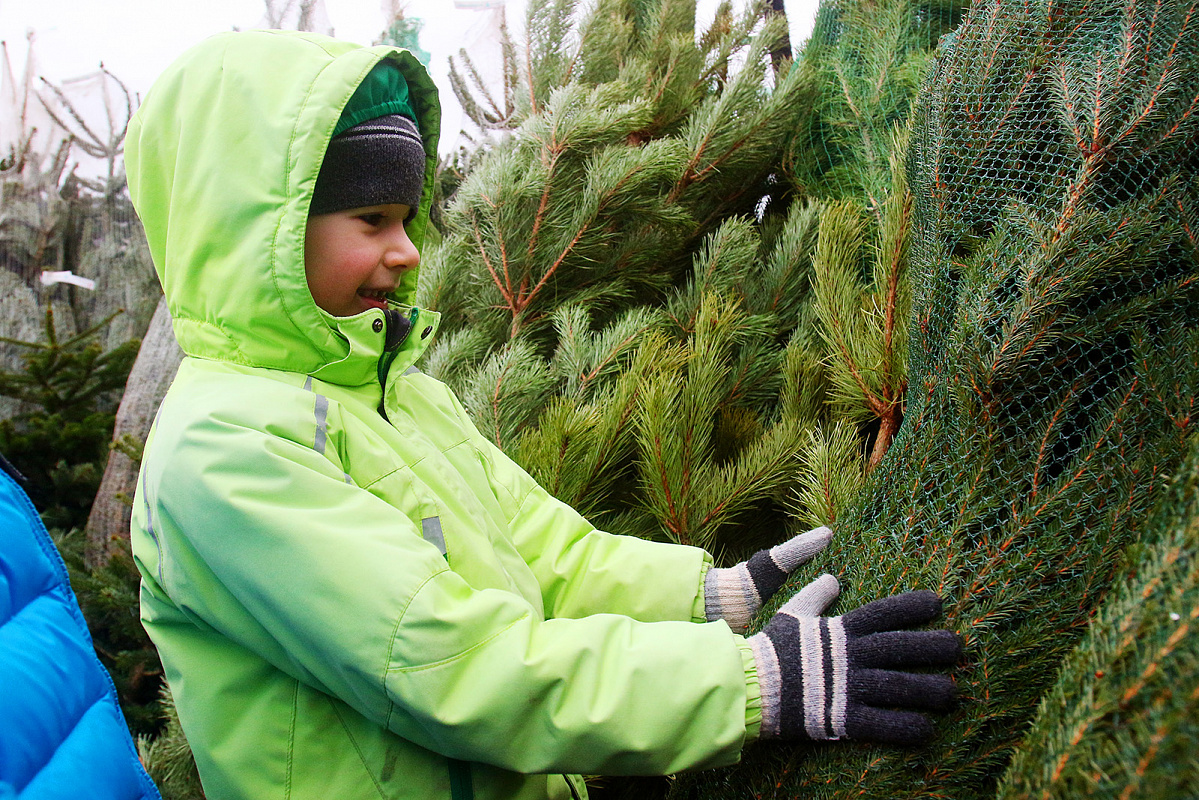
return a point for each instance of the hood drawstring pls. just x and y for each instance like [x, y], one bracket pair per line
[397, 329]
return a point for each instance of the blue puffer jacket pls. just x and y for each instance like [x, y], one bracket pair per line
[62, 734]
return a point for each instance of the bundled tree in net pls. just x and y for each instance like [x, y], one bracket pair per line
[1123, 718]
[1052, 369]
[868, 59]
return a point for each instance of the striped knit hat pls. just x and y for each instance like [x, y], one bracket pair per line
[376, 155]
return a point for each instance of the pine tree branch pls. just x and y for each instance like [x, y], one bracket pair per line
[479, 83]
[613, 354]
[508, 60]
[534, 108]
[525, 297]
[672, 522]
[691, 175]
[878, 406]
[62, 98]
[465, 98]
[502, 285]
[496, 394]
[691, 172]
[555, 149]
[661, 81]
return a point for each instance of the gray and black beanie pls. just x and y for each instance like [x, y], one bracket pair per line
[373, 163]
[376, 155]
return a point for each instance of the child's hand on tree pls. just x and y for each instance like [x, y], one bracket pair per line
[842, 677]
[735, 594]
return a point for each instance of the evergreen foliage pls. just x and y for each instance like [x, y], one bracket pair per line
[584, 273]
[54, 219]
[71, 386]
[604, 193]
[108, 597]
[487, 111]
[1054, 356]
[1123, 719]
[868, 59]
[32, 222]
[634, 309]
[640, 308]
[168, 758]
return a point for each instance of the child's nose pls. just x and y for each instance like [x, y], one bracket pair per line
[401, 252]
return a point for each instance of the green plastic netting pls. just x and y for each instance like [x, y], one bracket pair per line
[1054, 363]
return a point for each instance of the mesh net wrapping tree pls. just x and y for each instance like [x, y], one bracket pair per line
[868, 58]
[1052, 372]
[1123, 718]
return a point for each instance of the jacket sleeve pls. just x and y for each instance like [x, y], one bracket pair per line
[582, 570]
[262, 539]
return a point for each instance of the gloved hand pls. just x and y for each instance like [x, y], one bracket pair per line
[735, 594]
[842, 677]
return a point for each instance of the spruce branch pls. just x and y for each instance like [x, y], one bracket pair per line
[1124, 705]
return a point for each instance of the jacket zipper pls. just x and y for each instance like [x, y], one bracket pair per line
[397, 327]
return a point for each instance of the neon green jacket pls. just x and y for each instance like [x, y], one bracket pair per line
[354, 593]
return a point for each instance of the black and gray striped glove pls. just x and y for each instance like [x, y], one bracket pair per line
[735, 594]
[845, 677]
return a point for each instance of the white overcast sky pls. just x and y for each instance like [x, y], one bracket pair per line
[137, 39]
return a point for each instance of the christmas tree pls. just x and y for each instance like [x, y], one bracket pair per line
[640, 306]
[640, 310]
[1052, 370]
[1123, 718]
[69, 386]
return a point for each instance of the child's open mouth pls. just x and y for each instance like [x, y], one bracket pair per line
[376, 298]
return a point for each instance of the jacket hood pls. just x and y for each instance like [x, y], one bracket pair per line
[222, 158]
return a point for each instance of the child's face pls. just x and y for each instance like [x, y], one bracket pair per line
[353, 258]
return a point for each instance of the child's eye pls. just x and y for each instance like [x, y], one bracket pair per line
[374, 220]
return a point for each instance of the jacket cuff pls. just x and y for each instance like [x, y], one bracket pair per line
[699, 611]
[753, 692]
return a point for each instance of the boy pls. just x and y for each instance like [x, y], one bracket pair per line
[353, 592]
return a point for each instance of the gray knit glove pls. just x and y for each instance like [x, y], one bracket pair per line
[845, 677]
[735, 594]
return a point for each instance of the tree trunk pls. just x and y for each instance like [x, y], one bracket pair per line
[152, 373]
[781, 52]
